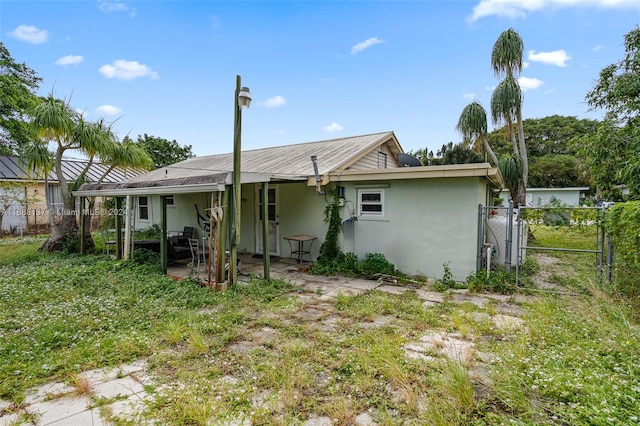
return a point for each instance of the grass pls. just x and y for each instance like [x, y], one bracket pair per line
[271, 355]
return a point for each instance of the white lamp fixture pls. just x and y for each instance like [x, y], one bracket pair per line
[244, 98]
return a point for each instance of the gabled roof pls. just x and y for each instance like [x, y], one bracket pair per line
[13, 169]
[334, 158]
[290, 162]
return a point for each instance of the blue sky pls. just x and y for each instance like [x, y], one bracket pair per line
[316, 69]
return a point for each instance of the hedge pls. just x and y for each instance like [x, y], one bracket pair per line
[623, 225]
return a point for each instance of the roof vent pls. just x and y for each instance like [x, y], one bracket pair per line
[314, 160]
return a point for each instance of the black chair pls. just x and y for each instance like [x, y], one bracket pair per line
[181, 238]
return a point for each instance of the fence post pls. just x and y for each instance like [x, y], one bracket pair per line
[509, 239]
[518, 243]
[609, 257]
[480, 240]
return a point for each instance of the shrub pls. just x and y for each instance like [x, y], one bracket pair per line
[447, 282]
[376, 263]
[349, 264]
[498, 281]
[623, 225]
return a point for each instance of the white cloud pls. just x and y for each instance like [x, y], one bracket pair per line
[115, 7]
[69, 60]
[557, 57]
[274, 102]
[365, 44]
[471, 96]
[108, 110]
[519, 8]
[333, 127]
[527, 83]
[30, 34]
[127, 70]
[525, 65]
[598, 47]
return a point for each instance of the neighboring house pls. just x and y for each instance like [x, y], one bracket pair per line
[418, 217]
[541, 197]
[33, 214]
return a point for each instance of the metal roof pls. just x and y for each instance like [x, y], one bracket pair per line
[289, 162]
[12, 168]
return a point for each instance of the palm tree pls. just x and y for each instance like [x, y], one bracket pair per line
[117, 154]
[506, 100]
[54, 122]
[506, 59]
[472, 125]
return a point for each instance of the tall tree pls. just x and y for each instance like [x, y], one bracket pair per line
[55, 123]
[162, 151]
[506, 60]
[472, 125]
[18, 85]
[613, 152]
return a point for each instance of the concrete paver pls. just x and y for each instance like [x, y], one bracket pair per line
[55, 410]
[57, 404]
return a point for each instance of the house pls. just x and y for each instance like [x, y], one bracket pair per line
[541, 197]
[418, 217]
[28, 210]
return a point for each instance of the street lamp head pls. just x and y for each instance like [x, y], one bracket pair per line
[244, 98]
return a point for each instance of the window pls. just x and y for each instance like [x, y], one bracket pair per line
[382, 160]
[371, 202]
[143, 208]
[170, 201]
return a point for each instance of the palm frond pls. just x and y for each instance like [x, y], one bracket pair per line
[506, 56]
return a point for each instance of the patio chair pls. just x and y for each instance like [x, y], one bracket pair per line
[181, 238]
[196, 254]
[108, 239]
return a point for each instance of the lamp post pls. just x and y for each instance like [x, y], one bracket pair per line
[242, 100]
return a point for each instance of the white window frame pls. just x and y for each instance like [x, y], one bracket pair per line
[140, 206]
[171, 201]
[370, 214]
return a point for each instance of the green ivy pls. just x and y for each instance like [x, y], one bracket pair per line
[330, 249]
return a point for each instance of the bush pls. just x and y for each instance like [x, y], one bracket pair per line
[376, 263]
[623, 225]
[349, 264]
[498, 281]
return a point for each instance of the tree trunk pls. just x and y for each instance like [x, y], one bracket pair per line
[492, 154]
[523, 152]
[68, 226]
[520, 197]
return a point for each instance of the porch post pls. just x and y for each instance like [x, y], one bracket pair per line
[221, 254]
[82, 220]
[163, 234]
[118, 226]
[127, 227]
[265, 230]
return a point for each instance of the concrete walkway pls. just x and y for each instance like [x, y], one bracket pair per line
[102, 395]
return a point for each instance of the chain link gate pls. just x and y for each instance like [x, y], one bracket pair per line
[503, 235]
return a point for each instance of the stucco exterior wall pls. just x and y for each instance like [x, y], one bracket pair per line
[426, 223]
[300, 211]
